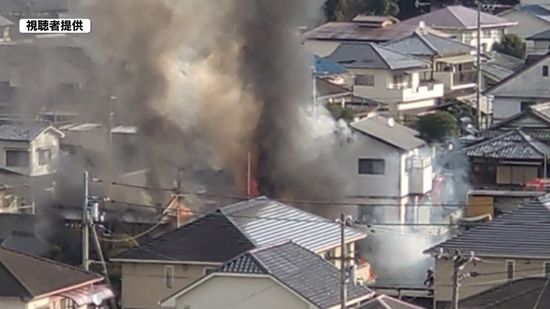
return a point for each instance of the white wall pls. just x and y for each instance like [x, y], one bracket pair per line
[541, 46]
[46, 140]
[528, 25]
[240, 293]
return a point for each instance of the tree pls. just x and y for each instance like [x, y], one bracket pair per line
[437, 127]
[348, 9]
[339, 112]
[511, 45]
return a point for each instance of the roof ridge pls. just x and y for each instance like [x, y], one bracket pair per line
[371, 45]
[531, 141]
[235, 225]
[517, 73]
[423, 39]
[455, 16]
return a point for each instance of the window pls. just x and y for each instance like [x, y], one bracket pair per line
[371, 166]
[169, 276]
[44, 156]
[364, 80]
[545, 70]
[401, 81]
[510, 269]
[546, 268]
[17, 158]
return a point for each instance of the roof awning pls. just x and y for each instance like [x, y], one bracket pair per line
[95, 294]
[458, 59]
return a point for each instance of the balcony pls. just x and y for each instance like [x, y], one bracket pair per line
[457, 80]
[464, 77]
[424, 91]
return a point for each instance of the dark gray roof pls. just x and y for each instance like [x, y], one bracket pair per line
[541, 36]
[522, 233]
[397, 135]
[458, 17]
[373, 56]
[33, 6]
[540, 11]
[21, 132]
[495, 71]
[25, 276]
[303, 271]
[514, 144]
[386, 302]
[420, 43]
[265, 222]
[328, 89]
[522, 293]
[234, 229]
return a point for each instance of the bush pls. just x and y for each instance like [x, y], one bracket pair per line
[437, 127]
[511, 45]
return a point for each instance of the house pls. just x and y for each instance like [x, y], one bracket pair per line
[29, 149]
[386, 163]
[514, 245]
[527, 293]
[498, 67]
[158, 268]
[387, 76]
[281, 276]
[362, 29]
[451, 61]
[461, 22]
[17, 232]
[530, 18]
[524, 88]
[33, 8]
[29, 282]
[510, 159]
[539, 42]
[387, 302]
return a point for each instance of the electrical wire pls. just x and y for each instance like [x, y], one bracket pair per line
[539, 298]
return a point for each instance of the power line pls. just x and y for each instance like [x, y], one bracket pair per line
[539, 298]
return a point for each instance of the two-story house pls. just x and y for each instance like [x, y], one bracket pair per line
[526, 87]
[530, 18]
[387, 164]
[513, 246]
[451, 61]
[461, 22]
[280, 276]
[390, 77]
[158, 268]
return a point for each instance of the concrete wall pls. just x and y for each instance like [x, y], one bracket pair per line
[496, 268]
[240, 293]
[528, 25]
[144, 284]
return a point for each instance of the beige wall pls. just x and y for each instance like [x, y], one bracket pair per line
[496, 268]
[240, 293]
[144, 284]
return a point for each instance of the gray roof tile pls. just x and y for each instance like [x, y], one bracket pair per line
[540, 11]
[21, 132]
[426, 44]
[301, 270]
[397, 135]
[522, 233]
[458, 17]
[541, 36]
[373, 56]
[514, 144]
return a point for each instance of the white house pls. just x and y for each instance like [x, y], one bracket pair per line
[282, 276]
[387, 76]
[531, 18]
[387, 163]
[539, 43]
[527, 87]
[461, 22]
[29, 149]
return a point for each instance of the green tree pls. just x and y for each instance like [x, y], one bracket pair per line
[348, 9]
[339, 112]
[511, 45]
[437, 127]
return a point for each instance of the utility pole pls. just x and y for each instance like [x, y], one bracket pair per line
[85, 226]
[478, 64]
[459, 262]
[343, 258]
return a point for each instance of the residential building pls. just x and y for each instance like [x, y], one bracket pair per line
[362, 29]
[260, 278]
[461, 22]
[29, 282]
[451, 61]
[34, 8]
[386, 163]
[387, 76]
[524, 88]
[498, 67]
[387, 302]
[512, 246]
[526, 293]
[17, 232]
[539, 43]
[158, 268]
[530, 18]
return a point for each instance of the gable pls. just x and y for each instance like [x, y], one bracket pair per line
[528, 83]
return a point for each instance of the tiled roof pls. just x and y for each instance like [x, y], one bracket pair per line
[373, 56]
[234, 229]
[458, 17]
[396, 135]
[426, 44]
[522, 293]
[386, 302]
[540, 11]
[541, 36]
[21, 132]
[514, 144]
[522, 233]
[25, 276]
[301, 270]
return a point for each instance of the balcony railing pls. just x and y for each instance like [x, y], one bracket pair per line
[464, 77]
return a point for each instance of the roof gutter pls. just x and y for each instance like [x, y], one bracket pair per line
[123, 260]
[74, 287]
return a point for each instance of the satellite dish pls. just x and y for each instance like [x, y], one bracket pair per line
[391, 122]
